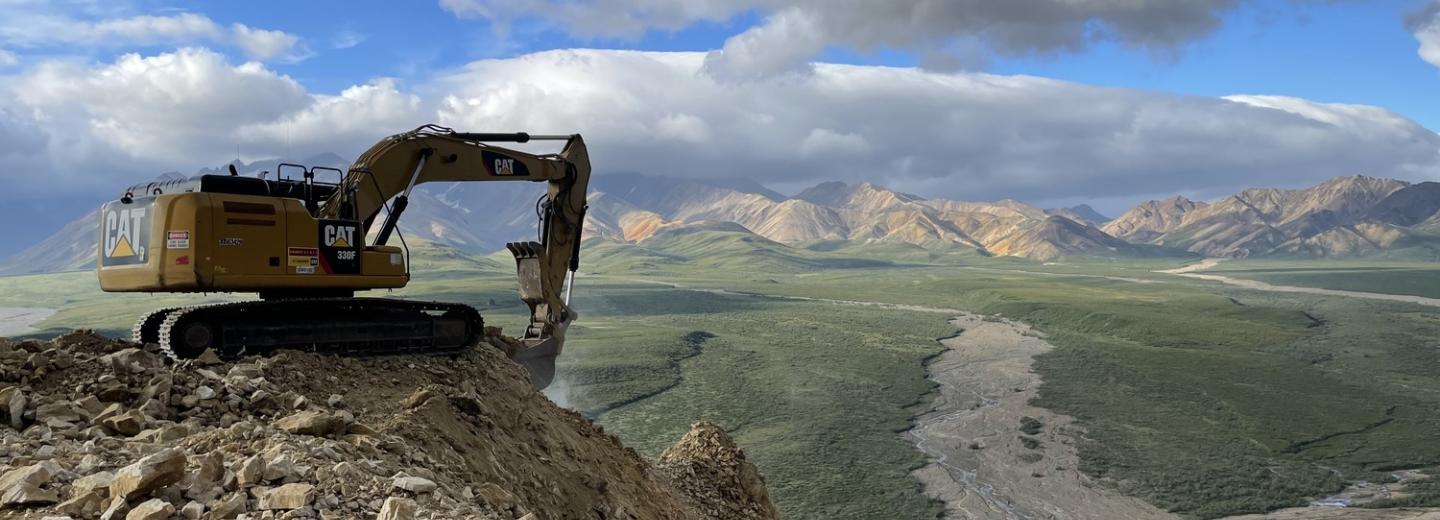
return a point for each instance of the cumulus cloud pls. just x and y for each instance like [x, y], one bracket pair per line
[963, 135]
[959, 135]
[947, 32]
[26, 26]
[151, 113]
[1425, 23]
[360, 114]
[35, 29]
[261, 44]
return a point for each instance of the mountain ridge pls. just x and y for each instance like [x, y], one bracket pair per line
[1343, 216]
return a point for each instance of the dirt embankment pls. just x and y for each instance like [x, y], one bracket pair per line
[93, 428]
[992, 455]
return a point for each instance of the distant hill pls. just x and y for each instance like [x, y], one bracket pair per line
[1344, 216]
[1082, 213]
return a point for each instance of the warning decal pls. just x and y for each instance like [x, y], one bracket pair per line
[303, 259]
[177, 240]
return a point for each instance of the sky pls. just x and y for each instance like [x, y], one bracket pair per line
[1053, 102]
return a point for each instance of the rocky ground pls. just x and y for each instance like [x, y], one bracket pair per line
[95, 428]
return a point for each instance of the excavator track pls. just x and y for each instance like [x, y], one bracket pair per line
[345, 326]
[147, 328]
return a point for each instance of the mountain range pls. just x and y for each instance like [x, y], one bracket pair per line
[1345, 216]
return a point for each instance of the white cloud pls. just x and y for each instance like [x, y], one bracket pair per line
[360, 114]
[346, 39]
[8, 59]
[822, 142]
[966, 135]
[29, 27]
[683, 127]
[32, 29]
[948, 33]
[963, 135]
[1426, 25]
[157, 112]
[261, 44]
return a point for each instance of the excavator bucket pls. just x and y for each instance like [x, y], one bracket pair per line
[539, 360]
[540, 349]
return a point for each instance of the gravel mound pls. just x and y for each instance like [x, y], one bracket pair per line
[94, 428]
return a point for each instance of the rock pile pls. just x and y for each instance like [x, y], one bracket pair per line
[98, 429]
[712, 470]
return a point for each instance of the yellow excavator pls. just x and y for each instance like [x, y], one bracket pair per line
[302, 246]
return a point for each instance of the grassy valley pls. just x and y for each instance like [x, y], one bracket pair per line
[1200, 398]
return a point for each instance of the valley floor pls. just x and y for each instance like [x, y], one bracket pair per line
[18, 320]
[1203, 399]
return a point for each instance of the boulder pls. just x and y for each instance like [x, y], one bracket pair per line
[116, 510]
[397, 508]
[90, 483]
[193, 510]
[208, 358]
[27, 494]
[87, 505]
[279, 469]
[148, 474]
[229, 507]
[311, 422]
[415, 484]
[12, 402]
[153, 509]
[131, 360]
[288, 496]
[129, 424]
[34, 475]
[250, 472]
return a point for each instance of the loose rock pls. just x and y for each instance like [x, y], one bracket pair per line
[288, 496]
[148, 474]
[397, 508]
[415, 484]
[153, 509]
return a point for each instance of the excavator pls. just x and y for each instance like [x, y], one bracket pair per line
[305, 248]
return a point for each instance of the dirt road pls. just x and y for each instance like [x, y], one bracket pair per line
[981, 466]
[1192, 271]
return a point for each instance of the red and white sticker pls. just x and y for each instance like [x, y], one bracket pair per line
[177, 240]
[303, 259]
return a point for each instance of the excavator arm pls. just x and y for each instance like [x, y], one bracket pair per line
[393, 167]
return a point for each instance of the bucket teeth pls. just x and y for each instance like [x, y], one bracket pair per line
[523, 250]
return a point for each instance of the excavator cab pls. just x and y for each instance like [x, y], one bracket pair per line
[301, 245]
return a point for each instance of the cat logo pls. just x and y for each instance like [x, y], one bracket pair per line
[339, 235]
[504, 166]
[125, 233]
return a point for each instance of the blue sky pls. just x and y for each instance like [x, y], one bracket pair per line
[1066, 101]
[1349, 52]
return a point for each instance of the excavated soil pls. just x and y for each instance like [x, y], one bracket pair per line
[94, 428]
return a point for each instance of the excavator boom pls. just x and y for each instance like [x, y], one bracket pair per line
[301, 245]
